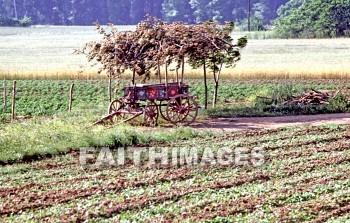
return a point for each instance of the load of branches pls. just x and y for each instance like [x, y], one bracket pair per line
[156, 43]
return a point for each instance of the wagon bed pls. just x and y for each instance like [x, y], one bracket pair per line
[159, 92]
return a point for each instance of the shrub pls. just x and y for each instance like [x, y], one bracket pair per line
[24, 22]
[313, 19]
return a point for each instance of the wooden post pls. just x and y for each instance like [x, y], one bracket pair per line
[133, 77]
[177, 75]
[71, 97]
[183, 70]
[110, 89]
[5, 97]
[166, 74]
[13, 101]
[160, 78]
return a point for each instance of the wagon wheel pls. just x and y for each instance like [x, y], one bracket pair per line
[162, 110]
[114, 106]
[182, 109]
[150, 114]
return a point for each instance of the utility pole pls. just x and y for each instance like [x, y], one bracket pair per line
[15, 7]
[249, 13]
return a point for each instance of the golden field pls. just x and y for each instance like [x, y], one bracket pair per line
[47, 52]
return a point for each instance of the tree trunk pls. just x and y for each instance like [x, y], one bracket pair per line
[15, 8]
[205, 86]
[249, 14]
[216, 79]
[215, 93]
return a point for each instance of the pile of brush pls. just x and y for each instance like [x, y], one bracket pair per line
[312, 97]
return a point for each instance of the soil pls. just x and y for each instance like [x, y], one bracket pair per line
[259, 123]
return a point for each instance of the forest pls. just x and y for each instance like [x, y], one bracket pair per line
[288, 18]
[130, 12]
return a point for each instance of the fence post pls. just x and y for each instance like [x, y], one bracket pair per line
[5, 96]
[71, 96]
[13, 101]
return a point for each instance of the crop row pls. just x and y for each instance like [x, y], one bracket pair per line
[47, 97]
[290, 176]
[46, 169]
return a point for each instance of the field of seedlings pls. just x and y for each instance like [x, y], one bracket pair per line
[304, 177]
[44, 127]
[46, 52]
[47, 97]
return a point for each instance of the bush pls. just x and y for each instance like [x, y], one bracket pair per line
[313, 19]
[24, 22]
[339, 104]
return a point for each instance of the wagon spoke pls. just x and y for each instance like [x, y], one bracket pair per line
[151, 114]
[182, 110]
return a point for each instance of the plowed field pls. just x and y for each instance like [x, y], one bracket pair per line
[305, 177]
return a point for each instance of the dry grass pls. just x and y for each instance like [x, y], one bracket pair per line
[47, 53]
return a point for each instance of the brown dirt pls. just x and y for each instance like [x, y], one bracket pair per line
[259, 123]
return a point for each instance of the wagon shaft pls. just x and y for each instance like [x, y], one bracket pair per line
[110, 116]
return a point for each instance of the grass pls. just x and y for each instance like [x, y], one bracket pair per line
[46, 53]
[42, 137]
[303, 178]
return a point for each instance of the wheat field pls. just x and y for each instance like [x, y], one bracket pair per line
[46, 52]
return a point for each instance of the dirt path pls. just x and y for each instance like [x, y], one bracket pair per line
[237, 124]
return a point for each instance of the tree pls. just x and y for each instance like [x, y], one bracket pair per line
[85, 12]
[314, 18]
[137, 11]
[155, 43]
[201, 10]
[177, 10]
[218, 50]
[118, 11]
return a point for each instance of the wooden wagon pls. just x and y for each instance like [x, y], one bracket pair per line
[170, 100]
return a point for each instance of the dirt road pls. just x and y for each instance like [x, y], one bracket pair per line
[237, 124]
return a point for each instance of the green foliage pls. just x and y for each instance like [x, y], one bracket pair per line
[268, 101]
[256, 24]
[123, 12]
[339, 104]
[177, 11]
[314, 19]
[43, 98]
[24, 22]
[38, 138]
[49, 97]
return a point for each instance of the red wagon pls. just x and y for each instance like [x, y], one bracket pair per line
[170, 100]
